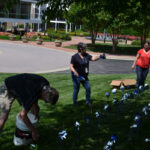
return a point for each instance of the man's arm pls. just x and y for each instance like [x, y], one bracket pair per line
[73, 70]
[3, 118]
[35, 110]
[24, 117]
[94, 58]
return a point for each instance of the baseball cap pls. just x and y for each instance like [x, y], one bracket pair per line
[81, 46]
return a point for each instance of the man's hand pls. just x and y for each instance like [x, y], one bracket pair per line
[76, 74]
[24, 117]
[102, 56]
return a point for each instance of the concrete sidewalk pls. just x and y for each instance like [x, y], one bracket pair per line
[75, 40]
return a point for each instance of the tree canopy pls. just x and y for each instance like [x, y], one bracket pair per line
[7, 4]
[112, 14]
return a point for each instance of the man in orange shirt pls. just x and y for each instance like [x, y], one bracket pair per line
[142, 62]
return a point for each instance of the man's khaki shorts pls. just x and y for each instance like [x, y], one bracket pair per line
[5, 100]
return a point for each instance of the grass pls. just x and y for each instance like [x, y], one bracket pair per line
[54, 119]
[122, 49]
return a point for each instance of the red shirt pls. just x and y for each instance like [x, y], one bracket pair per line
[144, 59]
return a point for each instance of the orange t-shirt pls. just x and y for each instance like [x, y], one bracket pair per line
[144, 59]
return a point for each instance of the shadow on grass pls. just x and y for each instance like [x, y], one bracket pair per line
[92, 135]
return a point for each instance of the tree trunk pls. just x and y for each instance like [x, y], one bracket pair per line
[93, 38]
[144, 37]
[115, 43]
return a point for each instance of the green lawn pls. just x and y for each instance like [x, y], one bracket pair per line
[54, 119]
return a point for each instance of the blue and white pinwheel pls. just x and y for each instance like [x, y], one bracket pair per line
[144, 110]
[106, 107]
[133, 126]
[97, 114]
[147, 140]
[113, 138]
[114, 91]
[146, 86]
[87, 120]
[141, 89]
[111, 143]
[148, 108]
[115, 101]
[125, 97]
[135, 92]
[107, 94]
[137, 118]
[63, 134]
[81, 78]
[122, 89]
[77, 125]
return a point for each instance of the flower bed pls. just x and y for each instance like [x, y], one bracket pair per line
[5, 33]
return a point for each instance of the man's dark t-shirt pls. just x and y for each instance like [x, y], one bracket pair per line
[81, 65]
[26, 88]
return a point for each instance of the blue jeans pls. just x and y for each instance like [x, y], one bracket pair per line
[76, 86]
[141, 75]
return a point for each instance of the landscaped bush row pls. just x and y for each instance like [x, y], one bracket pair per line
[121, 49]
[57, 35]
[107, 48]
[51, 37]
[60, 34]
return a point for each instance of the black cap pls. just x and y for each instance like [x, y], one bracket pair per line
[81, 46]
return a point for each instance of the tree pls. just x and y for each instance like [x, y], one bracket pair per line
[115, 27]
[88, 13]
[95, 14]
[140, 17]
[92, 19]
[7, 4]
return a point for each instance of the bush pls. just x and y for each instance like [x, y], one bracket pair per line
[121, 49]
[21, 25]
[34, 37]
[107, 48]
[136, 42]
[66, 37]
[60, 34]
[7, 37]
[79, 33]
[45, 38]
[17, 37]
[4, 37]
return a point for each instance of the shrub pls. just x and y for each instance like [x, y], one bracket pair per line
[66, 37]
[34, 37]
[21, 25]
[79, 33]
[136, 42]
[17, 37]
[4, 37]
[60, 34]
[45, 38]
